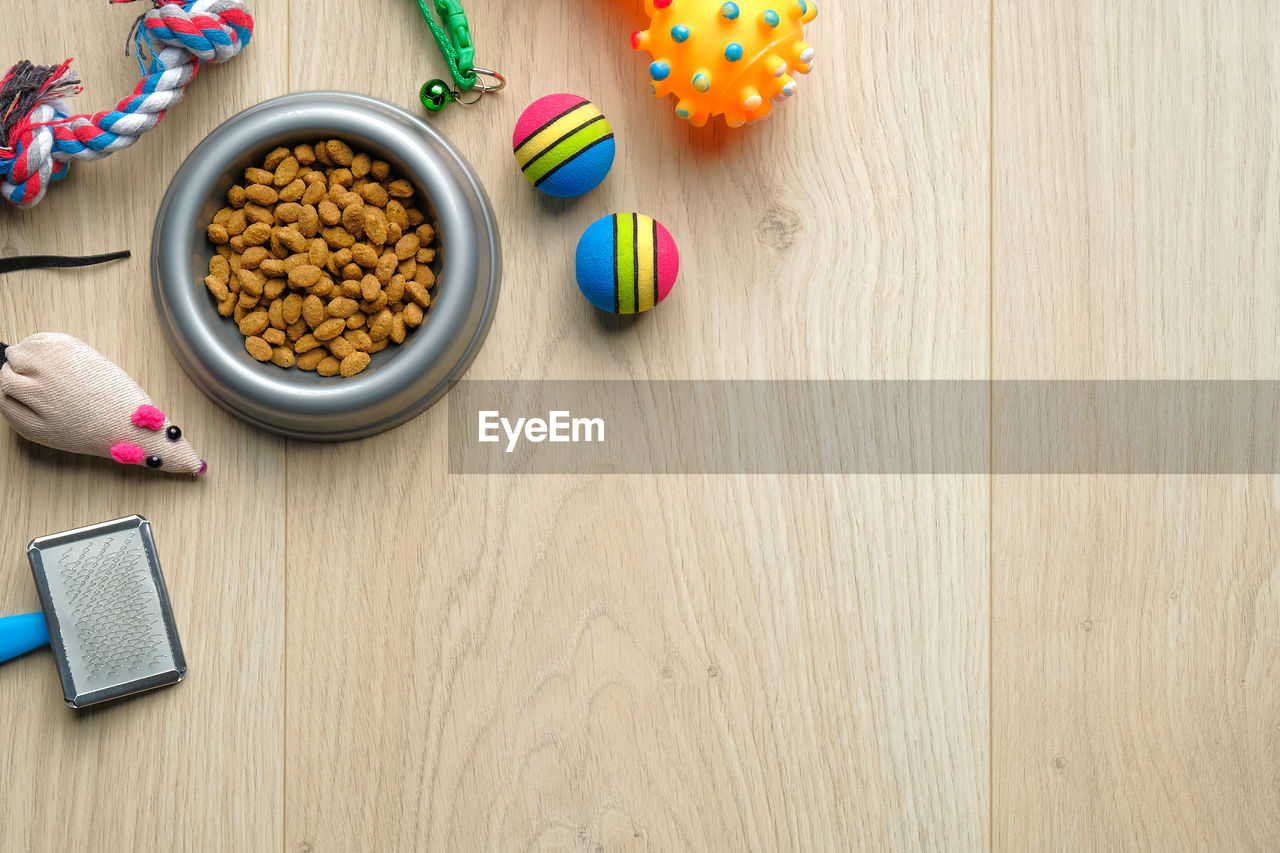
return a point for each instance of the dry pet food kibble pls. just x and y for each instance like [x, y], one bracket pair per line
[321, 259]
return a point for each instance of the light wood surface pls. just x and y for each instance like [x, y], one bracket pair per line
[386, 657]
[1135, 701]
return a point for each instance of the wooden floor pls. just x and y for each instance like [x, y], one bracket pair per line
[384, 657]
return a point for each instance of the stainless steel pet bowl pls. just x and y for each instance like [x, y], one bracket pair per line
[402, 381]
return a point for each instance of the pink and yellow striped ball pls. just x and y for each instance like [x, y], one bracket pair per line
[564, 145]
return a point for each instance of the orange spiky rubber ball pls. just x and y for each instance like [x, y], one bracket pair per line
[732, 59]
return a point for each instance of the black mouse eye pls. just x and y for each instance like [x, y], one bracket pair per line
[154, 461]
[174, 433]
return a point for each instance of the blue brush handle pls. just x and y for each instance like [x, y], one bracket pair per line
[21, 634]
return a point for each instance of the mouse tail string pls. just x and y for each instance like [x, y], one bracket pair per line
[28, 262]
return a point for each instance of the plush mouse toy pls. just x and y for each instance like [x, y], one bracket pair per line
[60, 392]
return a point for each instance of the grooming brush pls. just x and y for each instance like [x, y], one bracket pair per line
[106, 613]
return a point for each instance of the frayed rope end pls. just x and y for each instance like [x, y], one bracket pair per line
[26, 87]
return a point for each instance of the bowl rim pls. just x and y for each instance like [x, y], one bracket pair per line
[298, 403]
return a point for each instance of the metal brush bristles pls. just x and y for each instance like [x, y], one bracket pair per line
[110, 625]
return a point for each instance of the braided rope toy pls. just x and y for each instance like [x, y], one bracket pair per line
[38, 134]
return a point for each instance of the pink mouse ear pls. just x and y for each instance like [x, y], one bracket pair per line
[148, 417]
[128, 454]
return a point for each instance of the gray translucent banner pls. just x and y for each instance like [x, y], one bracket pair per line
[864, 427]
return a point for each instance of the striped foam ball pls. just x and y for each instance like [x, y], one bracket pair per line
[564, 145]
[626, 263]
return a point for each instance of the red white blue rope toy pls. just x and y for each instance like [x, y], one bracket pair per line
[39, 135]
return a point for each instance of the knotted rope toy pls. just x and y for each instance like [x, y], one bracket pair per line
[58, 391]
[38, 134]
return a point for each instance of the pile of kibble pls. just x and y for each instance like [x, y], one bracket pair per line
[322, 259]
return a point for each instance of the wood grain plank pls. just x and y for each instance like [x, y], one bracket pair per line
[767, 663]
[1137, 236]
[199, 764]
[1136, 186]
